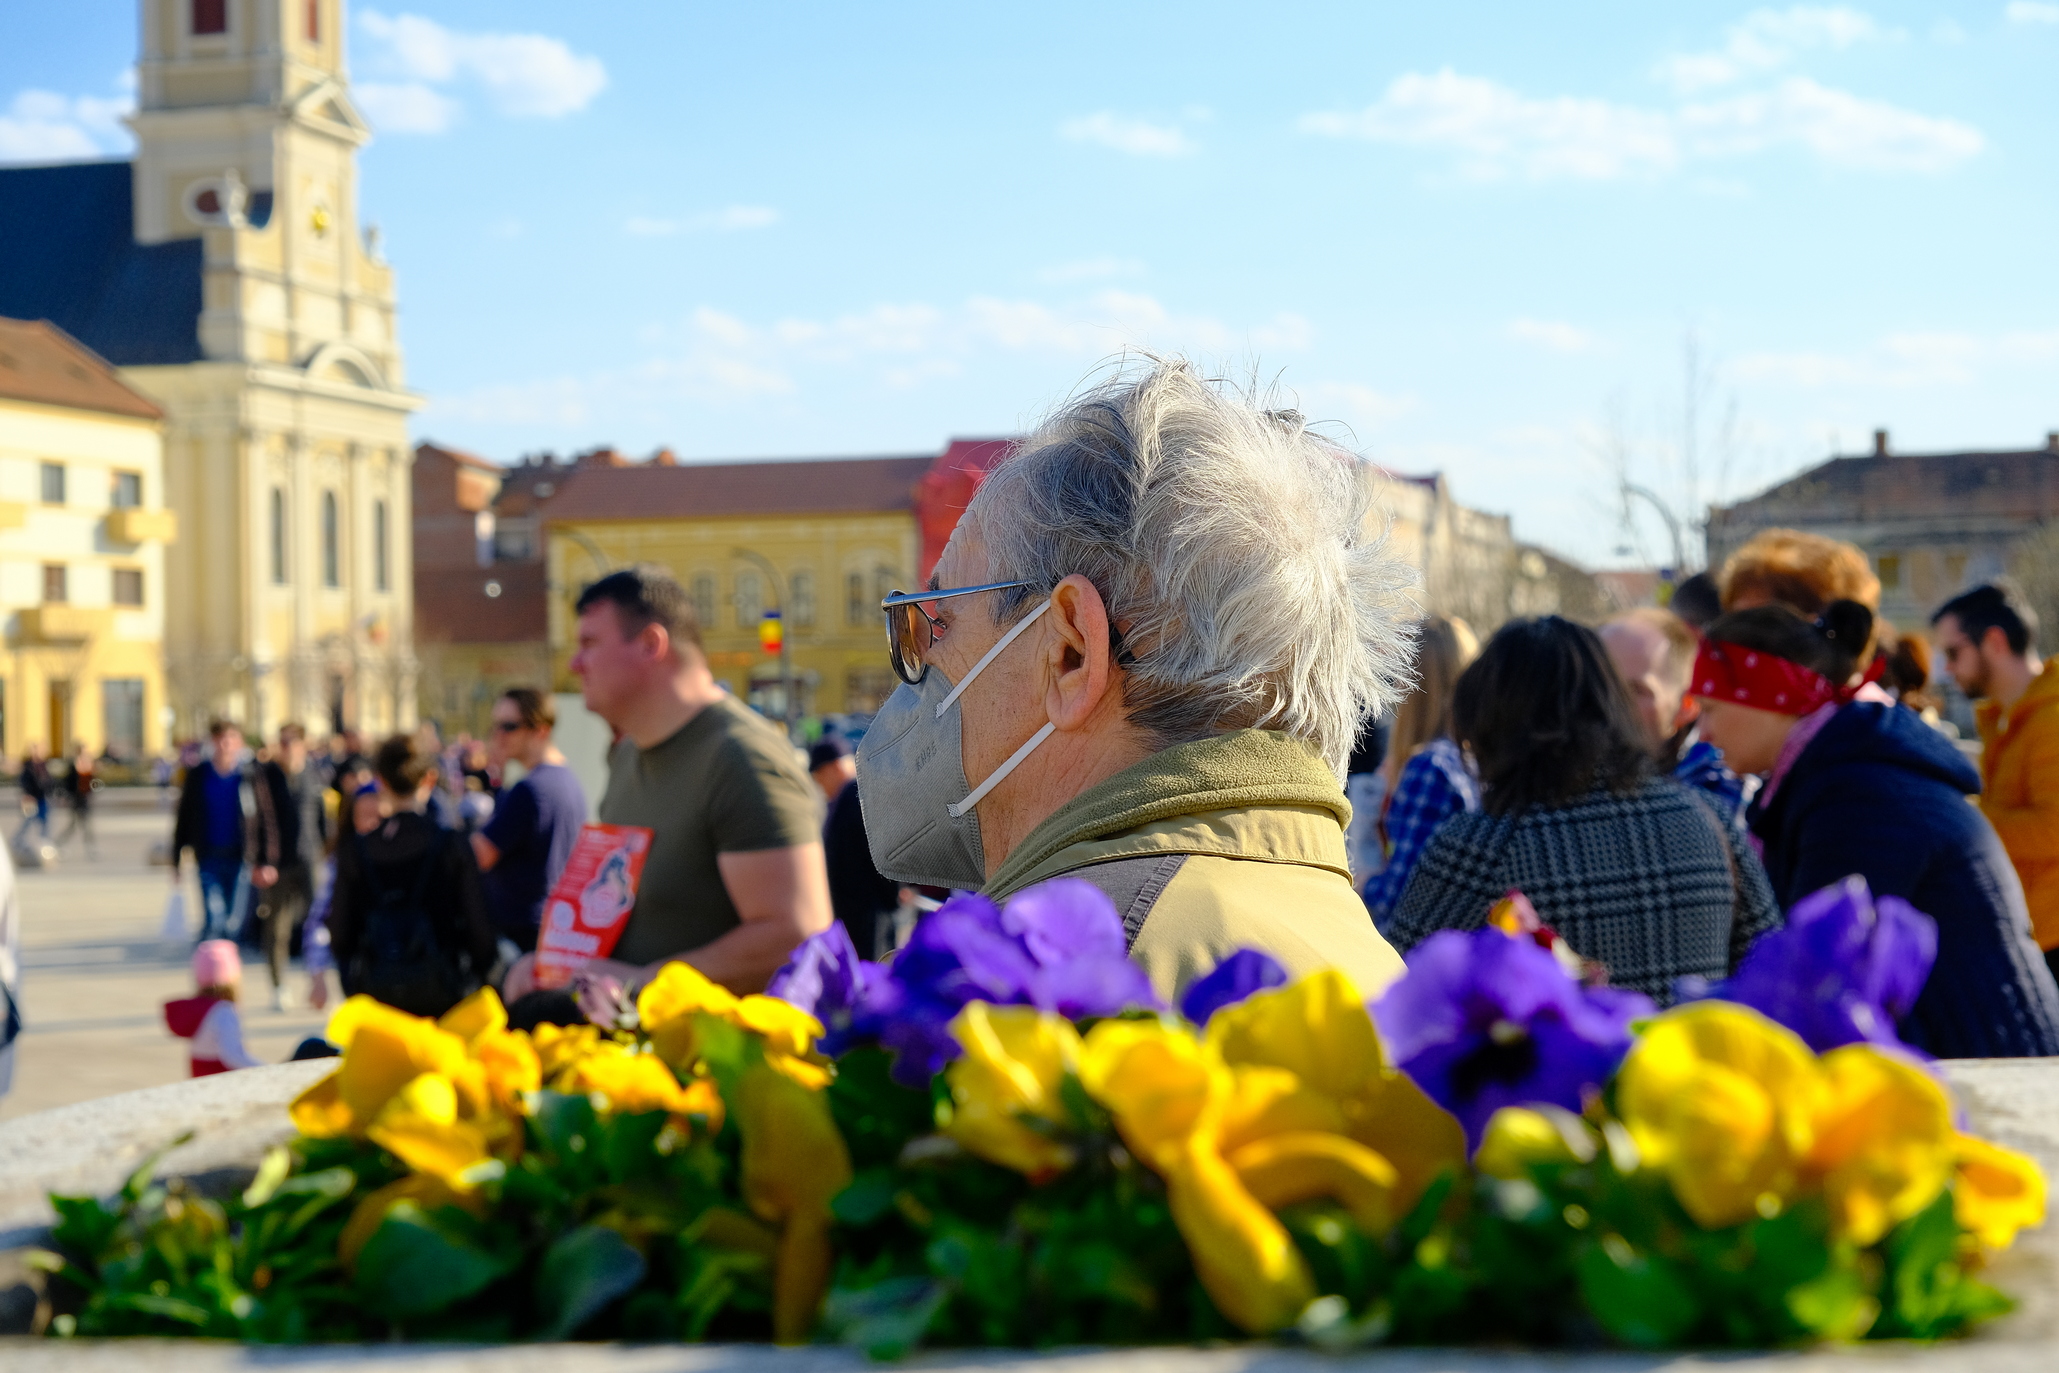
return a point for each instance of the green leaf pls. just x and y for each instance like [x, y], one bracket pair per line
[888, 1319]
[1835, 1305]
[171, 1308]
[583, 1271]
[416, 1263]
[278, 1162]
[869, 1197]
[1638, 1298]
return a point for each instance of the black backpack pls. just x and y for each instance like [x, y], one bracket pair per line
[401, 959]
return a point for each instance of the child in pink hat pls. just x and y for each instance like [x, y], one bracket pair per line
[209, 1017]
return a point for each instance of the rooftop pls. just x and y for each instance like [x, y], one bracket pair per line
[808, 486]
[40, 362]
[71, 257]
[2018, 483]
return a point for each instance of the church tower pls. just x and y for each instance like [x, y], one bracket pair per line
[286, 452]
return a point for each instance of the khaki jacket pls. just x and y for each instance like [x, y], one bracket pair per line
[2019, 773]
[1231, 842]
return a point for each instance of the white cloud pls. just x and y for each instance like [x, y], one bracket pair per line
[1907, 358]
[1838, 127]
[1135, 136]
[717, 358]
[1497, 133]
[525, 75]
[44, 126]
[405, 107]
[1766, 40]
[1555, 335]
[729, 219]
[2031, 12]
[1359, 406]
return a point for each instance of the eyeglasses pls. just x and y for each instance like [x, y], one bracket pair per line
[911, 629]
[507, 726]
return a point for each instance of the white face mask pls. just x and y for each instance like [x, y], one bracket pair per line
[911, 763]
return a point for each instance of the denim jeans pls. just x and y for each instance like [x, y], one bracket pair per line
[222, 886]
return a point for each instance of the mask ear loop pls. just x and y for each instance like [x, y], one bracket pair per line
[990, 655]
[958, 811]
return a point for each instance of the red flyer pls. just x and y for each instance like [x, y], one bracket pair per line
[589, 907]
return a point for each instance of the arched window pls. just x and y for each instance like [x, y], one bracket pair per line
[750, 600]
[800, 599]
[332, 542]
[379, 571]
[210, 16]
[704, 599]
[278, 536]
[854, 599]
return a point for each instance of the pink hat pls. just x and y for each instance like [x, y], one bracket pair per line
[216, 964]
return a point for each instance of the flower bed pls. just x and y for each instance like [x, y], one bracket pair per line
[1001, 1139]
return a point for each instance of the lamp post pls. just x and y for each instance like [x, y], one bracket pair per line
[786, 667]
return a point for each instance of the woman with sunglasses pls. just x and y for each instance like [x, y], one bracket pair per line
[1142, 661]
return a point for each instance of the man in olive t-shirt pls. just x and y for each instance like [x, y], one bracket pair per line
[735, 878]
[726, 782]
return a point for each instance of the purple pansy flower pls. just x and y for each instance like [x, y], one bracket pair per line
[1230, 981]
[1842, 970]
[1483, 1020]
[1057, 946]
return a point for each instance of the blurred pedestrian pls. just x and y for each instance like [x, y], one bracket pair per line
[524, 846]
[35, 793]
[209, 1017]
[1857, 786]
[80, 782]
[859, 896]
[285, 845]
[1653, 652]
[407, 925]
[1365, 786]
[1989, 640]
[1430, 779]
[1805, 573]
[1631, 868]
[10, 972]
[735, 879]
[214, 802]
[1697, 601]
[363, 814]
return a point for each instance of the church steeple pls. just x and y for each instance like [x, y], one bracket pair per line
[246, 136]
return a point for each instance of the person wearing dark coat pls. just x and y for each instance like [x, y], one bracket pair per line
[1633, 870]
[1868, 788]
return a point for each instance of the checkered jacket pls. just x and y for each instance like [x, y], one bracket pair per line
[1649, 884]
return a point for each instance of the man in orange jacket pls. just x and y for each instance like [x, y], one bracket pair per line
[1988, 637]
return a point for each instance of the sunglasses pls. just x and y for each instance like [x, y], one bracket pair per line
[507, 726]
[911, 629]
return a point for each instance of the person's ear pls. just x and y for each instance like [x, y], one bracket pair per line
[1994, 643]
[1078, 663]
[1690, 710]
[654, 642]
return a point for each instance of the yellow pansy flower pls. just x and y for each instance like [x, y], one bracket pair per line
[1154, 1077]
[509, 1063]
[559, 1047]
[1995, 1191]
[1722, 1100]
[786, 1028]
[629, 1083]
[1244, 1257]
[421, 1127]
[478, 1014]
[1884, 1144]
[1015, 1060]
[1520, 1136]
[667, 1006]
[383, 1050]
[1319, 1029]
[793, 1164]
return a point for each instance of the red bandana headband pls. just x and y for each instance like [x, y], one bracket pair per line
[1753, 677]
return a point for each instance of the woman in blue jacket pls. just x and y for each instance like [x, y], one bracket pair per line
[1869, 788]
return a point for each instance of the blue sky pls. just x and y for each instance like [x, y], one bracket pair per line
[1477, 237]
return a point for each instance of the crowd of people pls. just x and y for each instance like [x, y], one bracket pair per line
[1122, 673]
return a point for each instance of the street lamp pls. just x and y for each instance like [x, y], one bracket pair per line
[786, 667]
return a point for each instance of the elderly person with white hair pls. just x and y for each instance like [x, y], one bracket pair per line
[1142, 661]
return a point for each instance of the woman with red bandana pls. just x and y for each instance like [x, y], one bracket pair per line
[1856, 786]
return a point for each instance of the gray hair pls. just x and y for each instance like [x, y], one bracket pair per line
[1231, 547]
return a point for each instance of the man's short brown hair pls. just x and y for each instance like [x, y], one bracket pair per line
[1682, 643]
[535, 709]
[219, 726]
[401, 763]
[646, 594]
[291, 733]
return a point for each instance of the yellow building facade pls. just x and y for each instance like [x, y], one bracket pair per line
[83, 534]
[837, 535]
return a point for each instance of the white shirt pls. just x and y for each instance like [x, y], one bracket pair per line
[220, 1037]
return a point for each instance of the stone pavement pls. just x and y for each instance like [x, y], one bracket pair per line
[95, 977]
